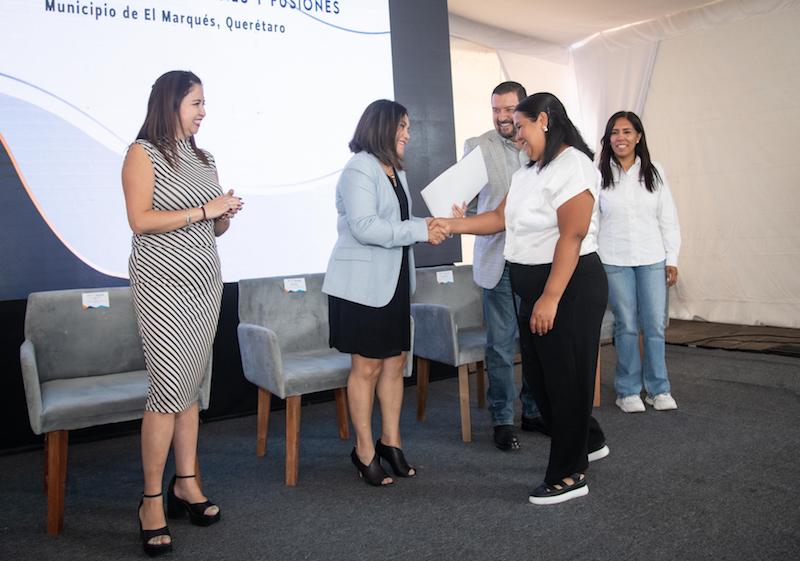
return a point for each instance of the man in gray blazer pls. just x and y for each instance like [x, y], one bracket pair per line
[502, 158]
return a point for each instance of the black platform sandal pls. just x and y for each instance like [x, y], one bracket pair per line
[396, 459]
[152, 549]
[177, 507]
[546, 494]
[373, 474]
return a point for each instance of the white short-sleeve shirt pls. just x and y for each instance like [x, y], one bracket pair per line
[533, 201]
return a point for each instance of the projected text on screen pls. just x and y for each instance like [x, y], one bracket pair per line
[285, 82]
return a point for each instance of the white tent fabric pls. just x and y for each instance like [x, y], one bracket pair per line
[716, 88]
[542, 75]
[613, 68]
[504, 40]
[722, 117]
[611, 78]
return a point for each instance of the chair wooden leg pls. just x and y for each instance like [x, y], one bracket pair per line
[56, 478]
[463, 397]
[341, 413]
[46, 463]
[262, 422]
[423, 371]
[481, 384]
[292, 439]
[597, 381]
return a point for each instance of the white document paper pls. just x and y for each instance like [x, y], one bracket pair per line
[444, 277]
[94, 300]
[294, 285]
[457, 184]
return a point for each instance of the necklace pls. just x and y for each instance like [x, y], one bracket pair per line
[389, 171]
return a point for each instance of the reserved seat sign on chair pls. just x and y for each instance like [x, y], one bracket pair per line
[283, 339]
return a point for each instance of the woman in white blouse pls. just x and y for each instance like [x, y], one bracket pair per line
[550, 218]
[639, 241]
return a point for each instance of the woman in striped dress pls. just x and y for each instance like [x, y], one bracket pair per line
[175, 208]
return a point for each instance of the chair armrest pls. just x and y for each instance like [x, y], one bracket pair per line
[33, 390]
[261, 357]
[435, 333]
[409, 368]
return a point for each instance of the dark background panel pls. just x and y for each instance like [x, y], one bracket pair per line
[422, 82]
[33, 259]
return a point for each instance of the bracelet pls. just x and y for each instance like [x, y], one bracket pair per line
[203, 208]
[188, 218]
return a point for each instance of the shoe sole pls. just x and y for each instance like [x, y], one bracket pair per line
[564, 497]
[508, 448]
[652, 404]
[625, 410]
[598, 454]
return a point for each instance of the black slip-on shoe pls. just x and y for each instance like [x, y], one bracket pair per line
[504, 438]
[534, 424]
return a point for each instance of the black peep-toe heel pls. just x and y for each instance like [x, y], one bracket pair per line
[152, 549]
[396, 459]
[177, 507]
[373, 474]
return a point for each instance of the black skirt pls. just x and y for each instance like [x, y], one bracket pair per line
[375, 332]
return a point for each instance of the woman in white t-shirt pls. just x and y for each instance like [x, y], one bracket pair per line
[639, 242]
[550, 218]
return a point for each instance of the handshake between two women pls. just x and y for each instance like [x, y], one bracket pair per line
[438, 231]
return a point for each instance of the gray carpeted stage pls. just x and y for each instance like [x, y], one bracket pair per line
[716, 479]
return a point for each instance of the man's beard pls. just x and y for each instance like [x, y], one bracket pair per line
[498, 125]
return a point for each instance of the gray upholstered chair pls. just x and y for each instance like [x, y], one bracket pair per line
[81, 368]
[449, 329]
[283, 339]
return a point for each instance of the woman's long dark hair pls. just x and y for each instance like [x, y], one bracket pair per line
[163, 114]
[647, 172]
[560, 129]
[376, 131]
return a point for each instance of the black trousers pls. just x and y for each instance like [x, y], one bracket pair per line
[560, 366]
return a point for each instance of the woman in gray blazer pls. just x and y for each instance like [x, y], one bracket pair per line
[369, 283]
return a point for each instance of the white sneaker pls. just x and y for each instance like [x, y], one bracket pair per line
[662, 402]
[598, 454]
[631, 403]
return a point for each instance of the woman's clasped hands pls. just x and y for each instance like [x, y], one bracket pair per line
[224, 207]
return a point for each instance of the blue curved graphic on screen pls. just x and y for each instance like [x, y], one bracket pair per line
[320, 20]
[73, 180]
[62, 100]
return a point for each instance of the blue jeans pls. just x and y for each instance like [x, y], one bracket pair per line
[638, 298]
[501, 325]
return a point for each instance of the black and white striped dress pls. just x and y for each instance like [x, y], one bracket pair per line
[176, 283]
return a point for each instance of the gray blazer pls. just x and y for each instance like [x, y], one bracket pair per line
[487, 260]
[365, 262]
